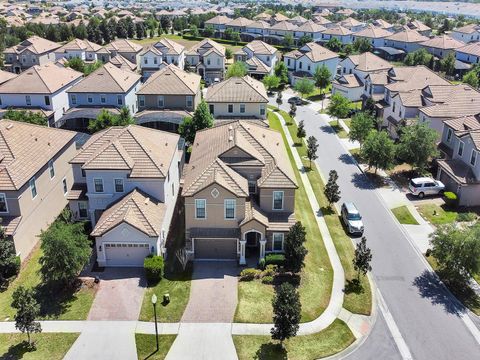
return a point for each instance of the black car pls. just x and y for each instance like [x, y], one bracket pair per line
[295, 100]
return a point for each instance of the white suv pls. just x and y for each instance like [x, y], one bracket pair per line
[425, 186]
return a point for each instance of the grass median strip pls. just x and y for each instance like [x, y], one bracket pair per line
[146, 346]
[404, 216]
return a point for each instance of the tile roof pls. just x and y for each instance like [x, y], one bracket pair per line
[6, 75]
[472, 49]
[284, 26]
[369, 62]
[146, 152]
[44, 79]
[205, 45]
[443, 42]
[418, 25]
[317, 52]
[257, 65]
[321, 20]
[218, 20]
[468, 29]
[452, 101]
[464, 123]
[349, 80]
[253, 212]
[280, 17]
[240, 22]
[407, 78]
[167, 46]
[459, 170]
[373, 32]
[235, 89]
[137, 209]
[107, 79]
[337, 30]
[120, 62]
[78, 44]
[350, 22]
[259, 47]
[123, 45]
[299, 19]
[310, 26]
[259, 24]
[408, 36]
[35, 44]
[382, 24]
[171, 81]
[26, 148]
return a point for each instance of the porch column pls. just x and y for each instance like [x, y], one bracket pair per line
[242, 252]
[262, 248]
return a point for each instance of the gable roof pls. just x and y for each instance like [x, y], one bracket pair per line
[107, 79]
[123, 45]
[310, 26]
[171, 81]
[443, 42]
[464, 123]
[337, 30]
[78, 44]
[34, 44]
[408, 36]
[120, 62]
[472, 49]
[218, 20]
[146, 152]
[45, 79]
[284, 25]
[235, 89]
[418, 25]
[240, 22]
[451, 101]
[6, 75]
[25, 148]
[259, 47]
[373, 32]
[317, 52]
[207, 44]
[259, 24]
[407, 78]
[350, 22]
[170, 46]
[468, 29]
[369, 62]
[137, 209]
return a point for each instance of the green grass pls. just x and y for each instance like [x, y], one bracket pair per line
[330, 341]
[356, 105]
[436, 214]
[404, 216]
[316, 95]
[339, 130]
[357, 299]
[48, 346]
[146, 346]
[252, 302]
[63, 305]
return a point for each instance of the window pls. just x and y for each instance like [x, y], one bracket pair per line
[98, 185]
[73, 99]
[0, 101]
[300, 65]
[82, 209]
[84, 173]
[268, 58]
[3, 204]
[252, 186]
[230, 108]
[33, 187]
[460, 148]
[103, 99]
[65, 187]
[211, 108]
[230, 209]
[277, 200]
[51, 169]
[200, 209]
[47, 100]
[242, 108]
[119, 100]
[90, 99]
[173, 189]
[393, 107]
[208, 61]
[308, 67]
[288, 62]
[189, 101]
[145, 60]
[262, 110]
[141, 100]
[161, 101]
[449, 135]
[278, 241]
[155, 60]
[473, 158]
[119, 185]
[28, 100]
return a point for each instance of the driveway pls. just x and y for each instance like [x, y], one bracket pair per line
[213, 293]
[120, 294]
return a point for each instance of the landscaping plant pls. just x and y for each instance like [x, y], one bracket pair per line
[153, 266]
[294, 248]
[332, 190]
[362, 258]
[27, 311]
[287, 312]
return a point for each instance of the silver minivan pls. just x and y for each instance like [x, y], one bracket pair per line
[352, 218]
[425, 186]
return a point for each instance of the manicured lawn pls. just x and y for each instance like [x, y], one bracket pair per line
[339, 130]
[316, 95]
[356, 105]
[48, 346]
[357, 299]
[404, 216]
[250, 308]
[330, 341]
[146, 346]
[436, 214]
[64, 305]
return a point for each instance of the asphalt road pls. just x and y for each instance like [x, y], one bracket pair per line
[426, 314]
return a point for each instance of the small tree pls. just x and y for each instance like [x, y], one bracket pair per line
[271, 82]
[237, 69]
[279, 99]
[360, 126]
[322, 78]
[228, 53]
[293, 110]
[418, 144]
[471, 78]
[294, 248]
[339, 106]
[208, 31]
[287, 312]
[304, 87]
[288, 41]
[236, 37]
[76, 63]
[362, 258]
[9, 263]
[334, 44]
[194, 31]
[378, 150]
[281, 71]
[202, 119]
[27, 311]
[362, 45]
[447, 64]
[332, 190]
[301, 133]
[312, 147]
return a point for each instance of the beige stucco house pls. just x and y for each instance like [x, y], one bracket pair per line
[30, 52]
[239, 192]
[207, 58]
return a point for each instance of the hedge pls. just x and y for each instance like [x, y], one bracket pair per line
[275, 259]
[153, 266]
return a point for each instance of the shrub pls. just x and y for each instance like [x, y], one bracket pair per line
[261, 264]
[270, 270]
[451, 199]
[275, 259]
[267, 280]
[249, 274]
[153, 266]
[466, 217]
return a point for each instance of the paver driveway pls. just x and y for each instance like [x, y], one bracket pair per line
[120, 294]
[213, 293]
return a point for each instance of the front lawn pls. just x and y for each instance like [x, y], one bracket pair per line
[250, 308]
[48, 346]
[404, 216]
[64, 305]
[437, 214]
[330, 341]
[147, 347]
[339, 130]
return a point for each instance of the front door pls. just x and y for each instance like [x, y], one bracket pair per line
[252, 238]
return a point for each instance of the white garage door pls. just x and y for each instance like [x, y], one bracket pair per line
[126, 254]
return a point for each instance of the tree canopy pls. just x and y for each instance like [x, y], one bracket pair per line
[339, 106]
[418, 144]
[363, 257]
[281, 71]
[27, 116]
[304, 87]
[237, 69]
[312, 147]
[294, 248]
[332, 190]
[202, 119]
[271, 82]
[106, 119]
[27, 311]
[360, 126]
[378, 150]
[287, 312]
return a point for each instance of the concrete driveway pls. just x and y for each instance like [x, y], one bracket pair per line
[213, 293]
[120, 294]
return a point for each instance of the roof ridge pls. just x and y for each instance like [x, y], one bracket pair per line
[128, 129]
[136, 191]
[41, 78]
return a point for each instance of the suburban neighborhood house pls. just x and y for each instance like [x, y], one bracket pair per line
[467, 33]
[460, 169]
[469, 53]
[260, 58]
[108, 87]
[207, 58]
[441, 46]
[407, 40]
[82, 49]
[41, 87]
[167, 97]
[126, 182]
[30, 52]
[239, 192]
[375, 35]
[35, 179]
[163, 52]
[128, 49]
[238, 98]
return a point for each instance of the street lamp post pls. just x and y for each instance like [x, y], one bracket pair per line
[154, 302]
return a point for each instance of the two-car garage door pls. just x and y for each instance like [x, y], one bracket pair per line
[125, 254]
[215, 249]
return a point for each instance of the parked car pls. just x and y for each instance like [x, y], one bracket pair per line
[425, 186]
[352, 218]
[295, 100]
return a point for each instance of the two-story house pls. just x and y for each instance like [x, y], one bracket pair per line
[238, 24]
[407, 40]
[40, 87]
[207, 58]
[30, 52]
[442, 45]
[339, 32]
[469, 53]
[77, 48]
[259, 56]
[238, 98]
[460, 169]
[218, 22]
[108, 87]
[239, 193]
[258, 28]
[167, 97]
[163, 52]
[375, 35]
[309, 29]
[352, 24]
[468, 33]
[128, 49]
[35, 179]
[126, 184]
